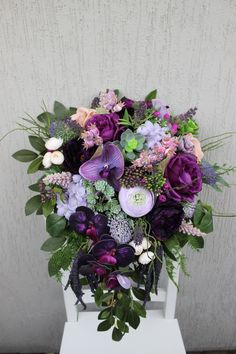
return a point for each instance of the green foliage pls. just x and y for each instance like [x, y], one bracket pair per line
[24, 155]
[37, 143]
[55, 224]
[106, 325]
[126, 120]
[46, 118]
[48, 207]
[61, 259]
[53, 244]
[35, 165]
[202, 217]
[60, 110]
[152, 95]
[33, 204]
[188, 126]
[34, 187]
[117, 334]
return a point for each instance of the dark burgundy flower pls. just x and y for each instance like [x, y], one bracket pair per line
[184, 177]
[165, 219]
[85, 222]
[75, 155]
[107, 124]
[108, 252]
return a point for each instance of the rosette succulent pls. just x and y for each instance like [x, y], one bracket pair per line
[131, 143]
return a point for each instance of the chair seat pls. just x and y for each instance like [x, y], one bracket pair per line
[154, 335]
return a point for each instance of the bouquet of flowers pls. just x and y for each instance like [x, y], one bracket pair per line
[119, 190]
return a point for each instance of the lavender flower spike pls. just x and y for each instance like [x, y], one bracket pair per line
[109, 165]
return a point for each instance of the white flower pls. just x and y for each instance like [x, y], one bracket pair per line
[57, 158]
[47, 160]
[146, 257]
[138, 248]
[146, 244]
[53, 144]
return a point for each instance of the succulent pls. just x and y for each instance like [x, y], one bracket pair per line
[132, 143]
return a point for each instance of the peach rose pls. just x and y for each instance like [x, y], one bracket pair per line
[197, 150]
[82, 115]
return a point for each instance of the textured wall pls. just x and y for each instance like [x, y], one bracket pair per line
[68, 50]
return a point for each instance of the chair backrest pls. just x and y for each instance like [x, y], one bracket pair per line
[164, 303]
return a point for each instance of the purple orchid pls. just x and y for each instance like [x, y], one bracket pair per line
[115, 280]
[109, 165]
[85, 222]
[107, 251]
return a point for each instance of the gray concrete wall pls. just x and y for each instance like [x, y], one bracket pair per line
[68, 50]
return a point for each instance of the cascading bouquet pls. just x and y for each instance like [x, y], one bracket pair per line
[119, 191]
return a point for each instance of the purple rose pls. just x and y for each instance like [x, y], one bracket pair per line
[184, 177]
[165, 219]
[107, 124]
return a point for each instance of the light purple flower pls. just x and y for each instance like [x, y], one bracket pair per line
[153, 133]
[137, 201]
[74, 197]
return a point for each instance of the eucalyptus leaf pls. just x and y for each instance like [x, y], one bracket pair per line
[24, 155]
[35, 165]
[55, 224]
[32, 204]
[52, 244]
[152, 95]
[37, 143]
[60, 110]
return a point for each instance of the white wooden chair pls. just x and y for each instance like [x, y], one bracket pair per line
[159, 333]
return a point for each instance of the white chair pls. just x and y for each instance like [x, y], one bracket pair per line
[158, 333]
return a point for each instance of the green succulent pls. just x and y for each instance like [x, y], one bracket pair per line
[189, 126]
[131, 143]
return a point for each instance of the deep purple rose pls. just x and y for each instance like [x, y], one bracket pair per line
[107, 124]
[184, 177]
[165, 219]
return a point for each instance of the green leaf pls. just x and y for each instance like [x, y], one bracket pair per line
[98, 294]
[37, 143]
[34, 187]
[52, 244]
[32, 204]
[120, 312]
[133, 319]
[116, 334]
[48, 207]
[55, 224]
[139, 309]
[72, 110]
[24, 155]
[151, 95]
[106, 298]
[105, 325]
[53, 267]
[104, 314]
[35, 165]
[139, 293]
[60, 110]
[196, 242]
[46, 117]
[122, 326]
[202, 217]
[39, 211]
[117, 92]
[168, 252]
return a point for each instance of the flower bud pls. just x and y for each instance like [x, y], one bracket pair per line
[57, 158]
[146, 244]
[146, 257]
[47, 160]
[138, 248]
[53, 144]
